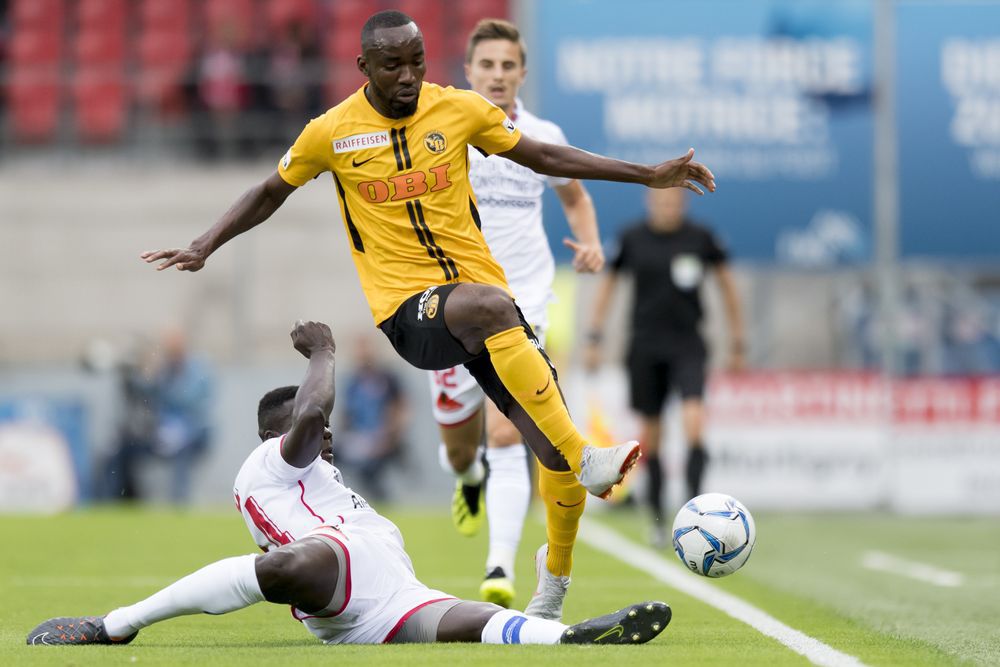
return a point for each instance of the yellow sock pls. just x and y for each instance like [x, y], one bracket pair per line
[526, 375]
[564, 502]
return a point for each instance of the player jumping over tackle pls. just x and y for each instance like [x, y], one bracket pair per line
[398, 153]
[337, 562]
[510, 205]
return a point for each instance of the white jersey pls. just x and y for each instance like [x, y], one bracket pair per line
[509, 198]
[281, 503]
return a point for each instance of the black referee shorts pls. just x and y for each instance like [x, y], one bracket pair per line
[418, 333]
[655, 368]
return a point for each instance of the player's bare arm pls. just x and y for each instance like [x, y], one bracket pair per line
[571, 162]
[734, 316]
[314, 400]
[592, 356]
[588, 256]
[254, 207]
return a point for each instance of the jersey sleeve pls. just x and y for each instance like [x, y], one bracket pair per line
[619, 254]
[715, 251]
[309, 155]
[278, 468]
[491, 131]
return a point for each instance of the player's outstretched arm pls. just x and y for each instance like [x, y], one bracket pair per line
[254, 207]
[570, 162]
[315, 397]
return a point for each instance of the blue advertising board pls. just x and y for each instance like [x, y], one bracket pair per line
[948, 114]
[776, 97]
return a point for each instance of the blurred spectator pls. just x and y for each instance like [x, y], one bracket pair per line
[166, 404]
[222, 89]
[369, 436]
[183, 392]
[137, 421]
[293, 75]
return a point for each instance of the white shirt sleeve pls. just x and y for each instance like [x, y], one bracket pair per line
[278, 468]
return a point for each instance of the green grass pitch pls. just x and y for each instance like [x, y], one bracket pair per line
[806, 571]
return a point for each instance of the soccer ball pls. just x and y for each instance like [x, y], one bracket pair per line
[714, 534]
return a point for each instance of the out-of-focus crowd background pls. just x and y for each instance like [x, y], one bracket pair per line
[873, 329]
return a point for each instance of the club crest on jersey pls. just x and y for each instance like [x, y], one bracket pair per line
[435, 142]
[428, 304]
[360, 142]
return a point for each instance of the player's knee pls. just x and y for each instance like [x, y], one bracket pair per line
[496, 311]
[504, 434]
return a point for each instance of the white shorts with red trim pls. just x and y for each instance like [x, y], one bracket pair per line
[380, 589]
[455, 394]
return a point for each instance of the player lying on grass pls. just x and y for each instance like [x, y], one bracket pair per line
[335, 560]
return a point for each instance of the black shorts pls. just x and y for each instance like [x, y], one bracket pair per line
[418, 333]
[655, 369]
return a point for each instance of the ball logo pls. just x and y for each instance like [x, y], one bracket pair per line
[431, 309]
[435, 142]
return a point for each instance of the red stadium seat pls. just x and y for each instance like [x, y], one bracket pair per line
[344, 80]
[342, 32]
[164, 59]
[165, 15]
[27, 14]
[36, 46]
[231, 20]
[280, 13]
[33, 98]
[99, 46]
[100, 107]
[102, 14]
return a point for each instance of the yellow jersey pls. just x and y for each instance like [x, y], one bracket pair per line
[404, 190]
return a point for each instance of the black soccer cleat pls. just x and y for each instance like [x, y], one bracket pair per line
[635, 624]
[74, 630]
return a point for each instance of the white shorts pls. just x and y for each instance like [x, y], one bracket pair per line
[380, 592]
[455, 394]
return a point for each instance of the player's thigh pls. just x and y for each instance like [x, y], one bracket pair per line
[418, 333]
[305, 574]
[648, 381]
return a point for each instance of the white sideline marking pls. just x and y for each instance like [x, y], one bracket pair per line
[615, 545]
[883, 562]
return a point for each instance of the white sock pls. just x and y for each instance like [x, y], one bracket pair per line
[507, 498]
[513, 627]
[473, 476]
[219, 588]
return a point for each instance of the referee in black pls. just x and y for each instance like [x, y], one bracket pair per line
[668, 256]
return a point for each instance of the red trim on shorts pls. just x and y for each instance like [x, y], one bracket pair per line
[347, 580]
[460, 423]
[302, 497]
[399, 624]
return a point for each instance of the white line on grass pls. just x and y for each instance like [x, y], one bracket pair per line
[612, 543]
[883, 562]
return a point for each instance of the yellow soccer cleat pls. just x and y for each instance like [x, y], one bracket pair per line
[468, 509]
[497, 588]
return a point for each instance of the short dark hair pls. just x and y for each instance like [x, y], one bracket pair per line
[269, 410]
[389, 18]
[495, 29]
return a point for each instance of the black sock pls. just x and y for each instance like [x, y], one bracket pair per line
[654, 491]
[696, 464]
